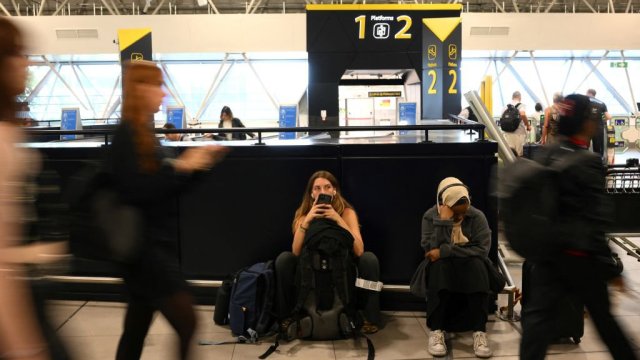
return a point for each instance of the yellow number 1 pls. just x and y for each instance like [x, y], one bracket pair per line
[360, 20]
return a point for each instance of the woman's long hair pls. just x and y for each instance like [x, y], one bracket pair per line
[11, 44]
[135, 113]
[339, 203]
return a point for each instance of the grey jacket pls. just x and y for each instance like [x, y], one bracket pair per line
[436, 233]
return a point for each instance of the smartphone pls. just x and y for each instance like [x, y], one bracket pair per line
[324, 199]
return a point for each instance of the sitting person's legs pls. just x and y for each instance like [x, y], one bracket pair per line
[368, 300]
[447, 315]
[285, 271]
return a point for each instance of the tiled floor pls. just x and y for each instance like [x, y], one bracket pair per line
[91, 330]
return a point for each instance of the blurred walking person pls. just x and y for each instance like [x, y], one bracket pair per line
[25, 332]
[148, 180]
[577, 267]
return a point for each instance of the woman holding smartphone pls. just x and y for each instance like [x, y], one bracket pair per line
[322, 199]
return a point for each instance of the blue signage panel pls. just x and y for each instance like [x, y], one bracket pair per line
[175, 116]
[288, 118]
[407, 115]
[70, 121]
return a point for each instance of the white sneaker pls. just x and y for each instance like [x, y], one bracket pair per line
[481, 345]
[437, 347]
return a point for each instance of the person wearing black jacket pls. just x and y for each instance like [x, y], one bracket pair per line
[577, 269]
[149, 181]
[228, 121]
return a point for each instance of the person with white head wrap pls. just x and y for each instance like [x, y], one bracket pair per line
[456, 239]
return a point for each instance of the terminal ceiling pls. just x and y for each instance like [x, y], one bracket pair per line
[128, 7]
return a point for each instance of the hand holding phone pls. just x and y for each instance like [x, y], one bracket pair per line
[324, 199]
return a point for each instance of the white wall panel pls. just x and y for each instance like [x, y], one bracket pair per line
[281, 33]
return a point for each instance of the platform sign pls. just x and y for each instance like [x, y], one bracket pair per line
[70, 120]
[423, 37]
[288, 118]
[175, 116]
[441, 39]
[406, 115]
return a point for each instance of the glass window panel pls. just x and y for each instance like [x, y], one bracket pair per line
[286, 80]
[243, 93]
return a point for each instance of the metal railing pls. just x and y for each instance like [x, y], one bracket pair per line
[455, 125]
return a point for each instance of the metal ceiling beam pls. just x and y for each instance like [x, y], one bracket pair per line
[4, 9]
[41, 9]
[500, 7]
[515, 6]
[273, 100]
[628, 6]
[173, 90]
[109, 9]
[39, 86]
[633, 97]
[55, 71]
[535, 66]
[109, 110]
[64, 3]
[16, 7]
[613, 9]
[589, 6]
[253, 11]
[213, 87]
[84, 91]
[155, 11]
[213, 6]
[523, 83]
[609, 87]
[115, 8]
[592, 70]
[553, 2]
[566, 78]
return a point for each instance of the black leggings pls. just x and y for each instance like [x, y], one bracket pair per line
[450, 304]
[177, 309]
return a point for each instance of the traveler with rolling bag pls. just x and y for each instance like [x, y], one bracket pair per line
[554, 212]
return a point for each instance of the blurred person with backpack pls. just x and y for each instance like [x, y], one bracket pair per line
[515, 124]
[150, 182]
[551, 117]
[25, 331]
[312, 213]
[456, 239]
[573, 258]
[601, 115]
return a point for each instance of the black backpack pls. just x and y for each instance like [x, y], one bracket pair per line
[529, 199]
[510, 119]
[325, 287]
[251, 303]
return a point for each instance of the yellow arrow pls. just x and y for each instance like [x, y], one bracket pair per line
[442, 27]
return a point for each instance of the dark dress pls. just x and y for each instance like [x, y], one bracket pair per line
[156, 274]
[236, 123]
[461, 271]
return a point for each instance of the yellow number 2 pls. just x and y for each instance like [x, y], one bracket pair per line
[360, 20]
[402, 34]
[454, 80]
[432, 87]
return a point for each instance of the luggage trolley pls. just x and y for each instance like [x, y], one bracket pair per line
[624, 179]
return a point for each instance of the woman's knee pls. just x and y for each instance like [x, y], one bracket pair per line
[368, 266]
[286, 261]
